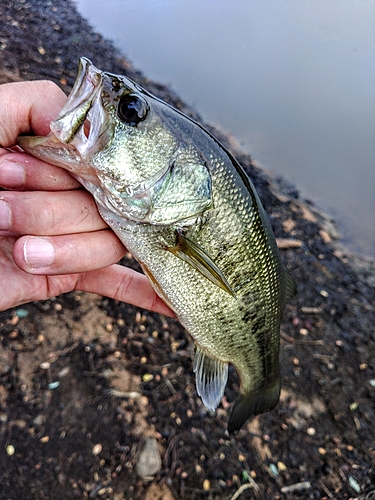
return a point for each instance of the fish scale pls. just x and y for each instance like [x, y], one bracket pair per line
[191, 217]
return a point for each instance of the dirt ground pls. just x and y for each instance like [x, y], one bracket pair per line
[92, 389]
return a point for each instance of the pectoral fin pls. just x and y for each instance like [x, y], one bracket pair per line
[184, 192]
[194, 255]
[211, 378]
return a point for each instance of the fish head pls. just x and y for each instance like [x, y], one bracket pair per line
[119, 141]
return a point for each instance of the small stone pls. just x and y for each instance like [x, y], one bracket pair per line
[41, 51]
[281, 466]
[10, 450]
[311, 431]
[304, 331]
[45, 365]
[322, 451]
[206, 485]
[273, 470]
[97, 449]
[354, 485]
[53, 385]
[44, 439]
[22, 313]
[149, 459]
[324, 293]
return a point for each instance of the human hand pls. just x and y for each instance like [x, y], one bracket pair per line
[52, 238]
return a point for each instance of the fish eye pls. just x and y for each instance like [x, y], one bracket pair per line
[132, 109]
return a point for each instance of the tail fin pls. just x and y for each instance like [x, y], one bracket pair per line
[253, 403]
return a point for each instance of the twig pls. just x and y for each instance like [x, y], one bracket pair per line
[241, 490]
[288, 243]
[300, 341]
[305, 485]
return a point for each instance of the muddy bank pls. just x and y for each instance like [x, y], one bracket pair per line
[84, 380]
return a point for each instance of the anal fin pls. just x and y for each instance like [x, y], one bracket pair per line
[211, 378]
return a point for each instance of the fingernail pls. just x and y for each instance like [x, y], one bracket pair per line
[38, 252]
[12, 175]
[5, 215]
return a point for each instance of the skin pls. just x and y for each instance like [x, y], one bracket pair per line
[53, 239]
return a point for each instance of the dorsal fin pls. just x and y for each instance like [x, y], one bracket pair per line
[290, 285]
[211, 378]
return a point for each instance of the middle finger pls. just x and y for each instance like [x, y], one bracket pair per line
[49, 213]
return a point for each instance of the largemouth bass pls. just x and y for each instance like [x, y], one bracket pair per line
[191, 217]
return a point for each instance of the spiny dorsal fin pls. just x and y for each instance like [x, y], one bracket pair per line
[290, 285]
[194, 255]
[211, 378]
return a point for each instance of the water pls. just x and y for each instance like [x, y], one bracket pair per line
[294, 81]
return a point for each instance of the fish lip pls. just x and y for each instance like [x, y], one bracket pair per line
[68, 127]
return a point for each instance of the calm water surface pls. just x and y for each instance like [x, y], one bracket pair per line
[294, 81]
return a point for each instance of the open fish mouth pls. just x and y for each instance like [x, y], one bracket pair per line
[80, 121]
[80, 124]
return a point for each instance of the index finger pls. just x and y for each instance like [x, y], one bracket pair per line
[28, 107]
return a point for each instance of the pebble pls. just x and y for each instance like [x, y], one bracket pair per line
[281, 466]
[149, 459]
[206, 485]
[97, 449]
[354, 485]
[10, 450]
[273, 470]
[22, 313]
[53, 385]
[311, 431]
